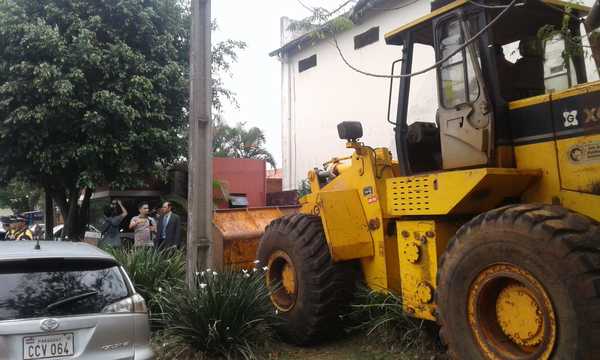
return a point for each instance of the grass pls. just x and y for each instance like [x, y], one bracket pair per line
[381, 318]
[353, 346]
[226, 315]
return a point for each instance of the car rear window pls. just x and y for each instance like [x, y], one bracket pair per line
[40, 288]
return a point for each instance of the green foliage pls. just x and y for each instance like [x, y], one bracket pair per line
[20, 196]
[227, 315]
[95, 93]
[323, 23]
[381, 316]
[573, 46]
[152, 271]
[239, 142]
[92, 93]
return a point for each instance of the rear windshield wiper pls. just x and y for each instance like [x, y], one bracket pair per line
[71, 299]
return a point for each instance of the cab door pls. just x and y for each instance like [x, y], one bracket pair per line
[464, 115]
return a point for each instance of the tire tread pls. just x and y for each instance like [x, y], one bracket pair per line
[572, 237]
[329, 286]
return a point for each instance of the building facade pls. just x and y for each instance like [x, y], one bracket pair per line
[318, 90]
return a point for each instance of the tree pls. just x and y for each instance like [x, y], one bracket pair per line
[91, 92]
[20, 196]
[237, 142]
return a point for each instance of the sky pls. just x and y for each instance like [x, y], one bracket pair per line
[256, 76]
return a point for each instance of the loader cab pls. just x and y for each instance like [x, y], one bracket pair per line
[522, 55]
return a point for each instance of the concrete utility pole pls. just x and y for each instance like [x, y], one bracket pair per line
[200, 205]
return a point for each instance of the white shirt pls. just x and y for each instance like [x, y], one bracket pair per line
[165, 222]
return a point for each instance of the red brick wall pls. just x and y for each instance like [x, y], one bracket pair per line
[246, 176]
[274, 185]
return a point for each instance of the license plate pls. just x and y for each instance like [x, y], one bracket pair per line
[48, 346]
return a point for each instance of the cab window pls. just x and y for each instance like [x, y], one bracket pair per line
[559, 70]
[533, 57]
[458, 81]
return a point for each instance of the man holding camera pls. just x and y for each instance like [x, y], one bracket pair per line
[113, 216]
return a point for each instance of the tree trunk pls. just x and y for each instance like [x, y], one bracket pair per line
[70, 228]
[60, 199]
[84, 212]
[75, 216]
[49, 215]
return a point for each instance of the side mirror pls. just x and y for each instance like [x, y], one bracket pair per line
[350, 130]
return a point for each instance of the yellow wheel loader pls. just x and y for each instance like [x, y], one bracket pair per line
[487, 222]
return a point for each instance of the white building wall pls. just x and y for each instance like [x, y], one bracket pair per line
[316, 100]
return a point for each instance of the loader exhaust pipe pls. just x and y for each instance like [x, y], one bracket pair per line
[592, 21]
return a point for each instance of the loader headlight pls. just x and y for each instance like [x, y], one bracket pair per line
[350, 130]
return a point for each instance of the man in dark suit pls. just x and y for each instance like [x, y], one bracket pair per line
[169, 228]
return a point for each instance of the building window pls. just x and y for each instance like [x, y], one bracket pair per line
[368, 37]
[307, 63]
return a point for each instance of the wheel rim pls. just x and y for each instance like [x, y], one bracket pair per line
[281, 279]
[510, 314]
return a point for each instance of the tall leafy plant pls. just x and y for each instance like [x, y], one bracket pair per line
[225, 315]
[240, 142]
[152, 271]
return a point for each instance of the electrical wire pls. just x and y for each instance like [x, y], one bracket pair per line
[438, 63]
[392, 8]
[329, 13]
[485, 6]
[342, 6]
[565, 12]
[311, 9]
[427, 69]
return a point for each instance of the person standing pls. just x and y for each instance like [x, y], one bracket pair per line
[5, 228]
[21, 230]
[143, 226]
[9, 227]
[169, 228]
[113, 216]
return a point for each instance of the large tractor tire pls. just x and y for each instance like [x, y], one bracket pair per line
[308, 290]
[522, 282]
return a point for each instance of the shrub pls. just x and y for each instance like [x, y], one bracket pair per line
[381, 315]
[226, 315]
[150, 271]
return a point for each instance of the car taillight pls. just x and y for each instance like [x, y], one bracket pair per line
[139, 304]
[133, 304]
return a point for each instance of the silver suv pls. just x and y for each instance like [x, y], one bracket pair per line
[68, 301]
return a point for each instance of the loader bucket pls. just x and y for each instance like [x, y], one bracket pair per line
[237, 232]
